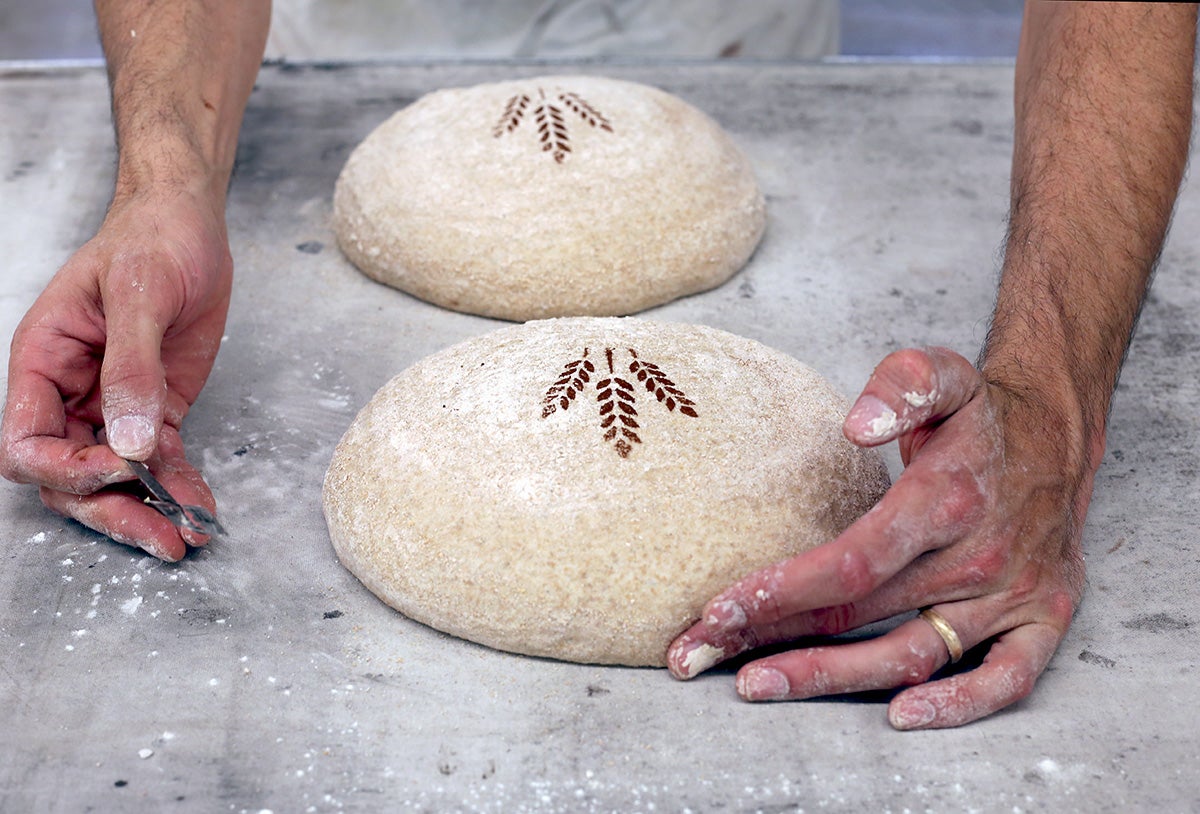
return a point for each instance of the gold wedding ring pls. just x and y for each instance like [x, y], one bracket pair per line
[946, 631]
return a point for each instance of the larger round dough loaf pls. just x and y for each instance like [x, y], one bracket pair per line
[579, 488]
[551, 196]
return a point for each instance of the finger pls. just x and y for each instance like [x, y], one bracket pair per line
[132, 380]
[929, 507]
[182, 480]
[925, 510]
[910, 654]
[123, 517]
[700, 647]
[908, 389]
[39, 444]
[1007, 675]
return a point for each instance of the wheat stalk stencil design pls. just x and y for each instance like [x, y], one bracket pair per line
[514, 111]
[570, 382]
[618, 416]
[663, 388]
[552, 130]
[616, 396]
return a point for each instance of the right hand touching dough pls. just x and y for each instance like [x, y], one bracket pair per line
[984, 524]
[109, 359]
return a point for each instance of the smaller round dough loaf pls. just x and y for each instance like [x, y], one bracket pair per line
[580, 488]
[550, 196]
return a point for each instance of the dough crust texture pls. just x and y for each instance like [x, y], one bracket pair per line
[550, 196]
[580, 488]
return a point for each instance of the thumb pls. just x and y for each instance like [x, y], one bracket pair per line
[132, 381]
[909, 389]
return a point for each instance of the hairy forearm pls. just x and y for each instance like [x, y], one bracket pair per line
[1103, 119]
[181, 72]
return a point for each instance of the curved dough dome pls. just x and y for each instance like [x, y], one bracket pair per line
[579, 488]
[550, 196]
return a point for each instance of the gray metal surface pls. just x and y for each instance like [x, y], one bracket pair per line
[259, 675]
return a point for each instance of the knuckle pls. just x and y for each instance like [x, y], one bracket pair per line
[855, 574]
[128, 383]
[1062, 604]
[986, 567]
[921, 669]
[961, 504]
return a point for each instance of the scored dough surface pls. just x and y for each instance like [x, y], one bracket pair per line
[549, 196]
[579, 488]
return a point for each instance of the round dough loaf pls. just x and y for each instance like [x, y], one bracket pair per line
[579, 488]
[551, 196]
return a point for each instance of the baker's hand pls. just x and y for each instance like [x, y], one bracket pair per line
[108, 360]
[984, 525]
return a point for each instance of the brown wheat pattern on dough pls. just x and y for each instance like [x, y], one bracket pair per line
[570, 383]
[663, 388]
[586, 112]
[514, 111]
[552, 131]
[618, 416]
[616, 396]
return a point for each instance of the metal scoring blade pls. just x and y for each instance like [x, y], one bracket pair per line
[185, 516]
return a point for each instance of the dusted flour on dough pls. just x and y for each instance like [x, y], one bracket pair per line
[550, 196]
[579, 488]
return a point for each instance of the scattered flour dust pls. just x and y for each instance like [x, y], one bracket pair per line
[702, 658]
[1068, 778]
[883, 424]
[125, 590]
[915, 399]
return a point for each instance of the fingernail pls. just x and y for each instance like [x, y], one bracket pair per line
[122, 475]
[131, 436]
[161, 554]
[193, 538]
[693, 658]
[871, 419]
[725, 616]
[911, 714]
[763, 684]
